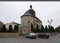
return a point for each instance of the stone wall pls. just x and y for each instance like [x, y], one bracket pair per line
[26, 22]
[9, 34]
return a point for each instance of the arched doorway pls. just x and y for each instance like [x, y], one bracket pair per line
[32, 28]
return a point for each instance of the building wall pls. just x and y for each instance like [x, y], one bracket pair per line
[37, 22]
[7, 25]
[26, 24]
[13, 24]
[25, 20]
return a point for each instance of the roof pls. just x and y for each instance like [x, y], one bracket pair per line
[30, 12]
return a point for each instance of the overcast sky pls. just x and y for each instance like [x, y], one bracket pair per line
[12, 11]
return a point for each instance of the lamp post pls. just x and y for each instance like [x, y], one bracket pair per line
[50, 25]
[50, 22]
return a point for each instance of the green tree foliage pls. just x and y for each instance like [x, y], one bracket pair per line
[16, 28]
[37, 29]
[51, 29]
[42, 28]
[46, 29]
[10, 28]
[4, 28]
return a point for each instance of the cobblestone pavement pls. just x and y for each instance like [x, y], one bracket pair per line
[52, 39]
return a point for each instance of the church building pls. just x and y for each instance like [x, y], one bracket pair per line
[27, 19]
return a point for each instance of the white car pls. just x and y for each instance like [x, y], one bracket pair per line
[31, 35]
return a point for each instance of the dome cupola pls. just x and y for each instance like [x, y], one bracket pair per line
[30, 12]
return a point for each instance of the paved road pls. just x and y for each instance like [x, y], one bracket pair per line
[55, 39]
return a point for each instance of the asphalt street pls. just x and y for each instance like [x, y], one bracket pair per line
[52, 39]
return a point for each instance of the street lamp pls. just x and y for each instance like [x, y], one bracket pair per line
[50, 25]
[50, 22]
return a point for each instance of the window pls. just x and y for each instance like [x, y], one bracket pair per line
[24, 30]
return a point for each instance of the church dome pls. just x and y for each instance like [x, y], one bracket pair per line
[30, 12]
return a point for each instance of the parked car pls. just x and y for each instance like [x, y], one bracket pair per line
[45, 36]
[31, 35]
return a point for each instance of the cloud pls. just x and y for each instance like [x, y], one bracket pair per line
[12, 11]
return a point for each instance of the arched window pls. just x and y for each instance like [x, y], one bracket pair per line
[24, 30]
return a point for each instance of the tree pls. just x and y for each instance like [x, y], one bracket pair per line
[37, 28]
[16, 28]
[51, 29]
[10, 28]
[42, 28]
[4, 28]
[46, 29]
